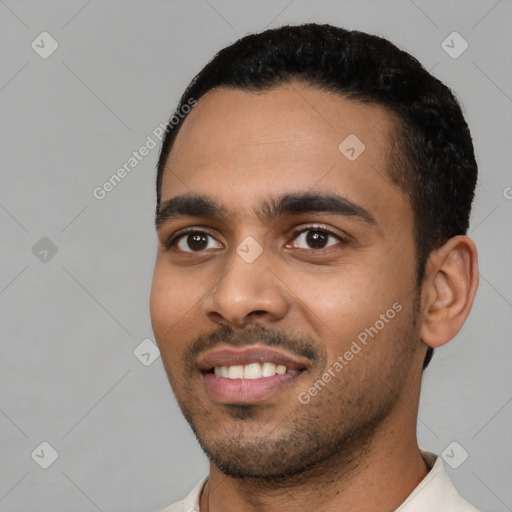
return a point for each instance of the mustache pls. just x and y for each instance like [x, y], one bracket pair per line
[302, 345]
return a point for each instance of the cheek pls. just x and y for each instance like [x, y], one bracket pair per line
[345, 291]
[168, 310]
[172, 296]
[345, 303]
[159, 301]
[345, 316]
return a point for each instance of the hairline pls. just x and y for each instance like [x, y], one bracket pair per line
[396, 168]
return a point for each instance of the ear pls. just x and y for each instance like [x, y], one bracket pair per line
[448, 290]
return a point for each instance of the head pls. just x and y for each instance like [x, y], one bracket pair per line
[264, 151]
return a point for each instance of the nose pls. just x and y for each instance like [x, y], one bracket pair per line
[246, 292]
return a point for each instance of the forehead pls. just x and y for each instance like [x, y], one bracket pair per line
[238, 145]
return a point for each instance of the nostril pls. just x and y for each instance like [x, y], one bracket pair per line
[259, 312]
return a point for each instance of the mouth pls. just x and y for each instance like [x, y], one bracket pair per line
[252, 371]
[250, 374]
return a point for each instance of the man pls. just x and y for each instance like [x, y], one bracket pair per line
[312, 206]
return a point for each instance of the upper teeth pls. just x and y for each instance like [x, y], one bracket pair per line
[251, 371]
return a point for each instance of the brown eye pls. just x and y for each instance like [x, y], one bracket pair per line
[315, 239]
[196, 241]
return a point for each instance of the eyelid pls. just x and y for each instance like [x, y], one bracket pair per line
[170, 242]
[318, 227]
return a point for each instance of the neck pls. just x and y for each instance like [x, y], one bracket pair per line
[377, 478]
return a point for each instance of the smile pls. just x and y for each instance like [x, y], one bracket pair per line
[252, 371]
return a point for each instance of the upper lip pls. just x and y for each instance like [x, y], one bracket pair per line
[231, 356]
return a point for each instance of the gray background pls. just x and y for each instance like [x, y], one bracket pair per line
[71, 321]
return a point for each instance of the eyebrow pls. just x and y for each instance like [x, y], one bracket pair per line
[297, 203]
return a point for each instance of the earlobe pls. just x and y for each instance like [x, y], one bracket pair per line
[448, 290]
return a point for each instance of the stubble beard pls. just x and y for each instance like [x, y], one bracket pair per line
[334, 431]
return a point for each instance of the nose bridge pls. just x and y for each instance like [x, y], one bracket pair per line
[247, 287]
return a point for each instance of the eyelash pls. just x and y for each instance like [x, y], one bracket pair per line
[172, 240]
[297, 232]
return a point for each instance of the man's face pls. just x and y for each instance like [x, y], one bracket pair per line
[299, 257]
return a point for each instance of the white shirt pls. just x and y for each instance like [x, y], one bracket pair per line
[435, 493]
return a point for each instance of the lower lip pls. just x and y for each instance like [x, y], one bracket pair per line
[246, 391]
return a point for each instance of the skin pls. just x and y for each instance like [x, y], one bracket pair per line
[353, 446]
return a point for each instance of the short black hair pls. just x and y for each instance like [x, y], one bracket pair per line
[431, 156]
